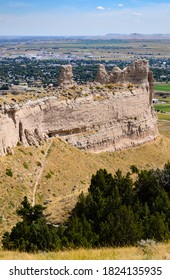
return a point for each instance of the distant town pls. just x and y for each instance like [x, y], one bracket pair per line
[35, 62]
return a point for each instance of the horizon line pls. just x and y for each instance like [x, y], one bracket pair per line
[86, 35]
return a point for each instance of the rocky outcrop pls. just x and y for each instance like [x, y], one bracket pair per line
[108, 121]
[66, 77]
[136, 73]
[102, 75]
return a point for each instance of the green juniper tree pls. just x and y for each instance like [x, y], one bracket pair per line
[32, 233]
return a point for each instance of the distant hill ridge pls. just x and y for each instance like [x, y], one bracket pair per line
[137, 36]
[107, 36]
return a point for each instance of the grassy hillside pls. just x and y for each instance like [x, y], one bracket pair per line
[67, 172]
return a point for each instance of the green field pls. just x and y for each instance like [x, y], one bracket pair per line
[162, 87]
[164, 108]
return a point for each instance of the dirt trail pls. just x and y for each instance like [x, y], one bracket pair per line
[40, 173]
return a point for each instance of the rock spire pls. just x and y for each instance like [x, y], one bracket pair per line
[66, 77]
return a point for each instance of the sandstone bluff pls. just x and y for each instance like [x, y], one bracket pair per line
[113, 113]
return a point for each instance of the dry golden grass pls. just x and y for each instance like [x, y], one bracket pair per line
[66, 174]
[158, 252]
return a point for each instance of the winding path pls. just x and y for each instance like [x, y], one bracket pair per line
[40, 173]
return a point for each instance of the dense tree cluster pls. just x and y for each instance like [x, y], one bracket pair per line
[22, 69]
[31, 234]
[161, 74]
[118, 210]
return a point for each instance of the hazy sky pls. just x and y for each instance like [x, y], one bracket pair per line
[83, 17]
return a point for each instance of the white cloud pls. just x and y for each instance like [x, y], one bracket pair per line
[120, 5]
[136, 14]
[100, 8]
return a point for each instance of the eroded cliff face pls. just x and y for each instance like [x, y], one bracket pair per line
[113, 121]
[103, 118]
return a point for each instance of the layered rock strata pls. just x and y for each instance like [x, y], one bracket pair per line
[120, 120]
[108, 121]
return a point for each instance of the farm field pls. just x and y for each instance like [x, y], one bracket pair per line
[99, 48]
[163, 111]
[163, 117]
[165, 87]
[162, 93]
[163, 107]
[164, 128]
